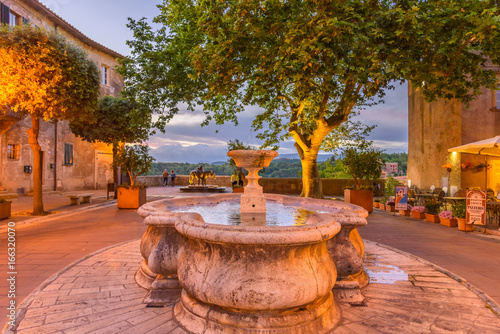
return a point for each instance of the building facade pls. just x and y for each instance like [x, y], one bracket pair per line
[390, 168]
[69, 163]
[435, 127]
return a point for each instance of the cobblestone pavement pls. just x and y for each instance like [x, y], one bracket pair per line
[406, 295]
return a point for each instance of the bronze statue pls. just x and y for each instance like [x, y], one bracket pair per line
[201, 175]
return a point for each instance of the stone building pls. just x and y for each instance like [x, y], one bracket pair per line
[435, 127]
[68, 162]
[390, 168]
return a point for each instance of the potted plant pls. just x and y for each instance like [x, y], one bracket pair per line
[446, 218]
[458, 210]
[481, 166]
[406, 212]
[383, 200]
[362, 163]
[136, 160]
[390, 206]
[466, 166]
[5, 208]
[418, 212]
[376, 203]
[432, 210]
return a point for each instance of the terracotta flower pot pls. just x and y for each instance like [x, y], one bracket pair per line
[404, 212]
[131, 197]
[432, 218]
[5, 210]
[418, 215]
[376, 204]
[381, 206]
[462, 226]
[362, 197]
[238, 190]
[390, 208]
[450, 222]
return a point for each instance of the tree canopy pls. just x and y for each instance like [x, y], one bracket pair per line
[308, 64]
[46, 77]
[114, 120]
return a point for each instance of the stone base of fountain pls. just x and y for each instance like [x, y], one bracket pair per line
[144, 277]
[164, 291]
[348, 290]
[318, 317]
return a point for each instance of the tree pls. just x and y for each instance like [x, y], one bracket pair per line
[114, 121]
[135, 159]
[308, 64]
[362, 164]
[46, 77]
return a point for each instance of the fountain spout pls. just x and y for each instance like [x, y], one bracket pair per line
[253, 200]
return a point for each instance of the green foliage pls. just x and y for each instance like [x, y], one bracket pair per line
[432, 207]
[115, 120]
[134, 159]
[362, 164]
[333, 169]
[348, 134]
[458, 209]
[44, 75]
[390, 186]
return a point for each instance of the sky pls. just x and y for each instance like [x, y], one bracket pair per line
[185, 140]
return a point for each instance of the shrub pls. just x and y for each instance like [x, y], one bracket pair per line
[390, 203]
[432, 207]
[376, 200]
[458, 209]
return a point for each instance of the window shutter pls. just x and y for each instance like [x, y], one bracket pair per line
[5, 14]
[25, 20]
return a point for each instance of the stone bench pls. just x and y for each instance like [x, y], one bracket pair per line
[74, 198]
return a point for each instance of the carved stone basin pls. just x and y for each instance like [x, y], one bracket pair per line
[248, 278]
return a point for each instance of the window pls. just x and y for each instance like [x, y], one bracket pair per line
[13, 151]
[497, 105]
[13, 19]
[5, 14]
[104, 75]
[68, 154]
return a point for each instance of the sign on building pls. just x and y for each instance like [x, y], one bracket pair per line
[476, 207]
[401, 198]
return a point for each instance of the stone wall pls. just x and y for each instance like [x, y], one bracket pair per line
[288, 186]
[435, 127]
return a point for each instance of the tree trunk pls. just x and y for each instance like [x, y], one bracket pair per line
[37, 166]
[311, 181]
[115, 168]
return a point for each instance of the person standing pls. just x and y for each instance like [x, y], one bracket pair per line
[234, 179]
[165, 178]
[172, 175]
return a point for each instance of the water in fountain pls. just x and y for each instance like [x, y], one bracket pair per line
[228, 213]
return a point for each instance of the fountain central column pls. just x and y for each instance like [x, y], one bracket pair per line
[253, 201]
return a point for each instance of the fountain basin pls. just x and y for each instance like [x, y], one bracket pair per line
[255, 279]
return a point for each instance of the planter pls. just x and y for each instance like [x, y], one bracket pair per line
[450, 222]
[418, 215]
[390, 208]
[238, 190]
[462, 226]
[381, 206]
[5, 210]
[376, 204]
[432, 218]
[131, 197]
[362, 197]
[404, 213]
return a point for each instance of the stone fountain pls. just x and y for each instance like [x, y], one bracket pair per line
[249, 277]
